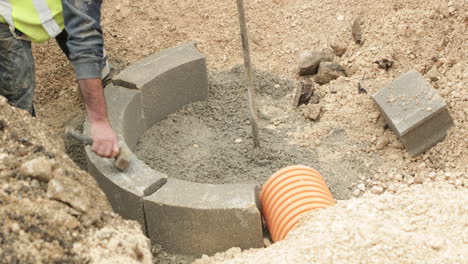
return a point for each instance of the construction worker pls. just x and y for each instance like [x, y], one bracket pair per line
[76, 26]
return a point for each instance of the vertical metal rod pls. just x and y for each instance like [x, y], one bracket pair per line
[248, 71]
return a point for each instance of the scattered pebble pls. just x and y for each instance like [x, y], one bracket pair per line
[361, 187]
[69, 191]
[392, 187]
[356, 192]
[419, 179]
[15, 227]
[433, 74]
[312, 111]
[329, 71]
[266, 242]
[382, 143]
[377, 190]
[398, 177]
[310, 61]
[356, 31]
[304, 91]
[435, 243]
[339, 49]
[39, 168]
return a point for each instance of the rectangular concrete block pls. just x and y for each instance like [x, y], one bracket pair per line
[168, 80]
[195, 219]
[415, 111]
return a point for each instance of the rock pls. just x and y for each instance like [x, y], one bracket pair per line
[392, 187]
[15, 227]
[435, 243]
[433, 74]
[312, 111]
[315, 99]
[39, 168]
[419, 179]
[356, 31]
[377, 190]
[239, 140]
[382, 143]
[266, 242]
[303, 93]
[356, 192]
[361, 187]
[310, 61]
[339, 49]
[67, 190]
[384, 64]
[329, 71]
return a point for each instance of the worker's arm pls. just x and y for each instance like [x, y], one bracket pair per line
[104, 139]
[85, 43]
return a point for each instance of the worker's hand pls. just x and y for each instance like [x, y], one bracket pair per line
[104, 139]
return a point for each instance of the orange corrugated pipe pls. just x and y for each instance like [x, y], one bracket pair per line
[288, 194]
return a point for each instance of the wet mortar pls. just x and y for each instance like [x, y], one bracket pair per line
[210, 141]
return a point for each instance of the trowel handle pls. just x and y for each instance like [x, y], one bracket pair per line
[78, 136]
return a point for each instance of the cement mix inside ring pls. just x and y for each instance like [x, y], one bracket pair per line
[201, 142]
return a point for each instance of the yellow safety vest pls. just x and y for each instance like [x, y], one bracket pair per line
[38, 20]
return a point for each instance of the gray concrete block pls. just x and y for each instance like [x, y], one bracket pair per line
[414, 111]
[168, 80]
[124, 190]
[195, 219]
[124, 107]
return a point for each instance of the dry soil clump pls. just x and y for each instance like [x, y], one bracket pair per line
[50, 210]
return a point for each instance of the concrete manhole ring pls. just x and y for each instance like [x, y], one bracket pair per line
[184, 217]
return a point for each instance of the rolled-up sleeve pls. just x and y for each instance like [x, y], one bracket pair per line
[85, 41]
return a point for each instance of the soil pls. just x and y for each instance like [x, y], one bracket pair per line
[429, 36]
[50, 210]
[420, 225]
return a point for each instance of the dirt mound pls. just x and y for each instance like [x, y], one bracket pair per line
[50, 210]
[419, 225]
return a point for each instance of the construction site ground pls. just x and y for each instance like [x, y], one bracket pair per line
[402, 209]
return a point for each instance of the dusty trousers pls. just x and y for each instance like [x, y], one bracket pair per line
[17, 77]
[17, 80]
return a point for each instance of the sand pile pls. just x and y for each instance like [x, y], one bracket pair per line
[423, 224]
[50, 210]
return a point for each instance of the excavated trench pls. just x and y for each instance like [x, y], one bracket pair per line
[210, 141]
[194, 169]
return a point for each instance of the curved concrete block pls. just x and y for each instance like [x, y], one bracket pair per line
[124, 190]
[184, 217]
[193, 218]
[168, 80]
